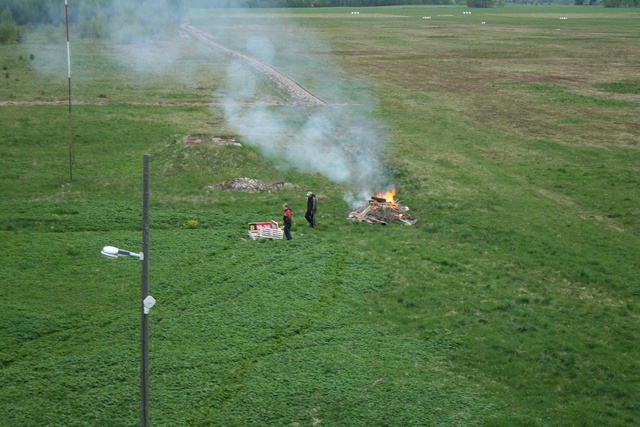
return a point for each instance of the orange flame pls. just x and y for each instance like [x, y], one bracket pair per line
[389, 196]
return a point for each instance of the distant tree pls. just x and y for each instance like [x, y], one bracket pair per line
[8, 27]
[480, 3]
[128, 20]
[97, 17]
[95, 27]
[298, 3]
[35, 11]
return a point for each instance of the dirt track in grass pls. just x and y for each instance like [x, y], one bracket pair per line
[298, 94]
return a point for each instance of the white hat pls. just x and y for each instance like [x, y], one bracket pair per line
[309, 193]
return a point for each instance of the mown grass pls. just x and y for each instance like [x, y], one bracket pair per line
[514, 301]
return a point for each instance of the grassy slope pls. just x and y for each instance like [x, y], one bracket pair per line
[513, 302]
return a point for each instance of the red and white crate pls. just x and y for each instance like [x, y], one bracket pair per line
[265, 230]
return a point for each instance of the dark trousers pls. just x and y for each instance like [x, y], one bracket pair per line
[311, 217]
[287, 231]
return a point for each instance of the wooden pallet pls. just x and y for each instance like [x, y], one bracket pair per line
[266, 233]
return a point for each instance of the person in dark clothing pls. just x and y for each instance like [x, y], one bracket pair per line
[286, 218]
[311, 209]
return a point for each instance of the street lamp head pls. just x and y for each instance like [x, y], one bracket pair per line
[112, 252]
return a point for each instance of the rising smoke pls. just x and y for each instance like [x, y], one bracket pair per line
[341, 140]
[136, 28]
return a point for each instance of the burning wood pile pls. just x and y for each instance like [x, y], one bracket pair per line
[383, 209]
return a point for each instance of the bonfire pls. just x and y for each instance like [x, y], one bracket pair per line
[383, 209]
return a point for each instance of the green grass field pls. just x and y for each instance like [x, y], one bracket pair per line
[512, 134]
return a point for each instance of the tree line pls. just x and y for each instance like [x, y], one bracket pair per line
[96, 18]
[620, 3]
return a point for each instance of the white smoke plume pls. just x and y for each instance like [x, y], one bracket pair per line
[138, 29]
[135, 28]
[342, 140]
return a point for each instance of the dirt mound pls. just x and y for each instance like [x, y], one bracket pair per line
[191, 140]
[249, 185]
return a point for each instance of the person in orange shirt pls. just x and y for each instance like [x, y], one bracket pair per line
[286, 218]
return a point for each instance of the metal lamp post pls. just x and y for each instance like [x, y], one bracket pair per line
[146, 303]
[147, 300]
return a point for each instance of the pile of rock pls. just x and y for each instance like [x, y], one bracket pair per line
[249, 185]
